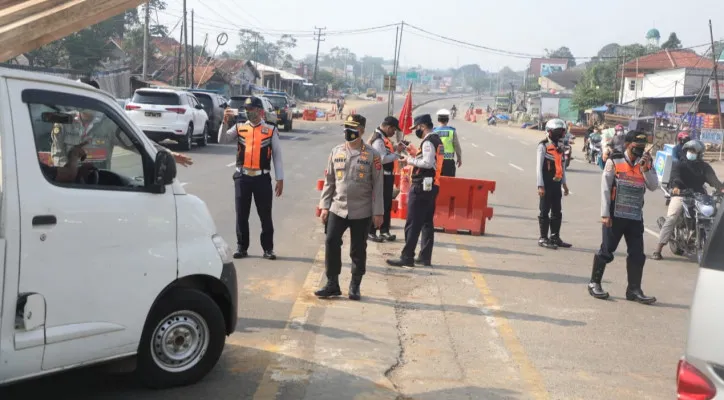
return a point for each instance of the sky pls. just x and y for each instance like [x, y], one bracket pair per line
[520, 26]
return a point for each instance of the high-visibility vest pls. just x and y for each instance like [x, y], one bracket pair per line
[447, 135]
[253, 148]
[629, 179]
[553, 163]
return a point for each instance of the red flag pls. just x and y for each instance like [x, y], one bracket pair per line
[406, 114]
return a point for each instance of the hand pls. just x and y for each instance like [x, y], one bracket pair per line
[411, 150]
[324, 215]
[77, 152]
[400, 147]
[646, 162]
[676, 191]
[182, 159]
[607, 221]
[460, 163]
[279, 188]
[377, 221]
[565, 190]
[402, 162]
[541, 191]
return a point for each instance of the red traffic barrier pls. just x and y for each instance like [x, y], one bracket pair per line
[479, 111]
[462, 205]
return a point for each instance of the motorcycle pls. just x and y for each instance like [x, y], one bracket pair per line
[693, 229]
[567, 157]
[492, 121]
[593, 152]
[453, 113]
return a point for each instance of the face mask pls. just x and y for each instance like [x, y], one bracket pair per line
[691, 156]
[637, 151]
[419, 133]
[351, 135]
[252, 115]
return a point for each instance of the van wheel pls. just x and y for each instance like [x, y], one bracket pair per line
[204, 137]
[181, 341]
[189, 139]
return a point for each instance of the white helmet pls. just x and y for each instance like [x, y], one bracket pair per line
[443, 113]
[555, 123]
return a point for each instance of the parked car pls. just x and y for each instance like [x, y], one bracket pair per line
[214, 105]
[237, 104]
[119, 261]
[123, 102]
[700, 373]
[270, 113]
[283, 109]
[169, 114]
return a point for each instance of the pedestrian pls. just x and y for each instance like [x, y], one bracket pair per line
[257, 147]
[551, 177]
[450, 143]
[422, 196]
[389, 153]
[340, 106]
[625, 179]
[352, 198]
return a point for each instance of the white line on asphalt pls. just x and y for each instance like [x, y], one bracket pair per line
[653, 233]
[231, 164]
[523, 143]
[515, 166]
[323, 128]
[452, 248]
[578, 161]
[474, 145]
[294, 138]
[184, 183]
[490, 154]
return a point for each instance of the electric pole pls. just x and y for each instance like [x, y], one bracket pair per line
[186, 45]
[394, 61]
[318, 36]
[145, 41]
[716, 80]
[193, 55]
[178, 56]
[397, 66]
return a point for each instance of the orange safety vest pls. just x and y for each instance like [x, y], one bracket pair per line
[253, 148]
[554, 162]
[632, 178]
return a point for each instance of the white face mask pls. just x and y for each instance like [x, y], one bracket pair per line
[691, 156]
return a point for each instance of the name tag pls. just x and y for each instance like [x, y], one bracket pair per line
[339, 165]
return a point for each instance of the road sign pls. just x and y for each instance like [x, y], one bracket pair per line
[390, 83]
[713, 136]
[411, 75]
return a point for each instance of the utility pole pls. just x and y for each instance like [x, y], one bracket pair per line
[623, 71]
[178, 56]
[394, 61]
[318, 36]
[676, 86]
[716, 79]
[397, 65]
[186, 45]
[193, 55]
[145, 41]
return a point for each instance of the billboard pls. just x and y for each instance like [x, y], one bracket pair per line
[549, 68]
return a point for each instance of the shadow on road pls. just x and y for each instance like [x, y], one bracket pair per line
[252, 324]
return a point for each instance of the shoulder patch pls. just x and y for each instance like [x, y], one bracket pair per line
[609, 166]
[377, 162]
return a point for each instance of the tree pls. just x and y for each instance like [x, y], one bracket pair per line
[672, 43]
[252, 46]
[598, 85]
[133, 46]
[563, 52]
[46, 56]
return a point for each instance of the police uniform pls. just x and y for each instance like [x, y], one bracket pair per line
[99, 132]
[257, 147]
[353, 193]
[623, 187]
[451, 148]
[421, 200]
[383, 146]
[551, 176]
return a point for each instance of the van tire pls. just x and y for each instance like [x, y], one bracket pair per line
[198, 322]
[188, 139]
[204, 137]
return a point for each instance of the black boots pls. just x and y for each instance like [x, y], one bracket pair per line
[556, 234]
[240, 253]
[354, 293]
[635, 271]
[330, 289]
[594, 287]
[543, 224]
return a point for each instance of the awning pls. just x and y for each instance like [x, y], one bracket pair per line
[600, 109]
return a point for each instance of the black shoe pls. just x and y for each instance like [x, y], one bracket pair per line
[556, 240]
[269, 255]
[546, 243]
[354, 293]
[387, 237]
[420, 261]
[330, 289]
[239, 253]
[657, 256]
[638, 296]
[374, 238]
[596, 290]
[400, 262]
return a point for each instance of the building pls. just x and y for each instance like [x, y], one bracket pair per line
[546, 105]
[563, 81]
[546, 66]
[653, 37]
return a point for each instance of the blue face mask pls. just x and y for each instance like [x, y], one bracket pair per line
[691, 156]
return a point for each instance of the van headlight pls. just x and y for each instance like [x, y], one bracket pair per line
[223, 248]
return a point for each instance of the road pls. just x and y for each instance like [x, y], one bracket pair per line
[496, 317]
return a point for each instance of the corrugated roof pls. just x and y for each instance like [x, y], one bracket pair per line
[568, 78]
[670, 59]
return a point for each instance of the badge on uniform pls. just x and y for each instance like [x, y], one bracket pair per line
[56, 130]
[340, 174]
[609, 167]
[378, 163]
[265, 130]
[361, 175]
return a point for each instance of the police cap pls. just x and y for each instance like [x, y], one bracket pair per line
[253, 101]
[423, 119]
[636, 137]
[355, 120]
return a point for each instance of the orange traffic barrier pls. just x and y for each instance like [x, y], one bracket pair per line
[462, 205]
[479, 111]
[475, 118]
[467, 115]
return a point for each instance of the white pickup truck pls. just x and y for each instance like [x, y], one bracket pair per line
[103, 255]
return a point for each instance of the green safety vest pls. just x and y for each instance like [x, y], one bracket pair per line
[447, 135]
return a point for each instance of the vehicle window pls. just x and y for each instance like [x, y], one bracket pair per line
[237, 102]
[152, 97]
[63, 123]
[277, 101]
[205, 101]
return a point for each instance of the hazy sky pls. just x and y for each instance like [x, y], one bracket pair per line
[523, 26]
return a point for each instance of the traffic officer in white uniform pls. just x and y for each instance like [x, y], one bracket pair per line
[389, 153]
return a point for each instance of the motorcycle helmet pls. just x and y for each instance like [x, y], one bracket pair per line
[683, 137]
[694, 145]
[443, 113]
[556, 125]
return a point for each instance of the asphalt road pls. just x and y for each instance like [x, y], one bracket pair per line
[497, 317]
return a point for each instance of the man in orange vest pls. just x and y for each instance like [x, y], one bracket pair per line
[389, 153]
[257, 147]
[625, 179]
[551, 177]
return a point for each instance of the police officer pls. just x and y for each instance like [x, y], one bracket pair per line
[625, 179]
[450, 144]
[551, 176]
[257, 147]
[421, 200]
[352, 198]
[389, 153]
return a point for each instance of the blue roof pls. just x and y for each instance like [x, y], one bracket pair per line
[600, 109]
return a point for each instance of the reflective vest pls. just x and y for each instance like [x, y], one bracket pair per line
[447, 134]
[379, 135]
[253, 148]
[629, 188]
[418, 174]
[553, 163]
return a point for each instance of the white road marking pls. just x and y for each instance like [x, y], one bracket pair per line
[515, 166]
[323, 128]
[184, 183]
[474, 145]
[294, 138]
[231, 164]
[653, 233]
[578, 161]
[523, 143]
[490, 154]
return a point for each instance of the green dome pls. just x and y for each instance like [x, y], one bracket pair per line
[653, 34]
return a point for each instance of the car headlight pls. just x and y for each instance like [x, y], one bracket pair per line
[223, 248]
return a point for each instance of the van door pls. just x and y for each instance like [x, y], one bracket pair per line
[97, 245]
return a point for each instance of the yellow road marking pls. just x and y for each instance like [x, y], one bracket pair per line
[269, 387]
[528, 372]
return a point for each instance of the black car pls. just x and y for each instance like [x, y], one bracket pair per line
[283, 108]
[214, 105]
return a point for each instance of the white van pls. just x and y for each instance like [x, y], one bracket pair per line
[116, 260]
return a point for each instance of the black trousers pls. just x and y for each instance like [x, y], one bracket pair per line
[550, 209]
[358, 230]
[260, 188]
[389, 185]
[420, 215]
[633, 232]
[448, 168]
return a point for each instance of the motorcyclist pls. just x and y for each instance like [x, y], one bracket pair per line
[692, 172]
[681, 139]
[551, 178]
[587, 136]
[615, 143]
[453, 111]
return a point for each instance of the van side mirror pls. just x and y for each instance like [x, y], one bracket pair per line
[164, 170]
[199, 107]
[223, 105]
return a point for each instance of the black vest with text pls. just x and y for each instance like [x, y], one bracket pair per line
[418, 174]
